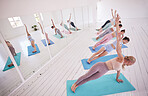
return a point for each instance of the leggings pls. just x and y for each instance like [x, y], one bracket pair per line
[108, 25]
[105, 39]
[66, 27]
[108, 21]
[12, 50]
[58, 31]
[95, 72]
[72, 24]
[105, 33]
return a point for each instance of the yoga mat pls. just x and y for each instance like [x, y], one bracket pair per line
[58, 36]
[17, 60]
[98, 48]
[101, 59]
[43, 41]
[73, 29]
[30, 49]
[104, 85]
[94, 39]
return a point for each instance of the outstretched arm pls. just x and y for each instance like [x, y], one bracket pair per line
[70, 17]
[112, 13]
[118, 74]
[41, 27]
[52, 22]
[118, 47]
[26, 29]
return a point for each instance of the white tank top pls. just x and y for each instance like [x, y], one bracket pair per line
[113, 64]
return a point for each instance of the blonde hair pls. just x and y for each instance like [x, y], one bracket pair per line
[129, 58]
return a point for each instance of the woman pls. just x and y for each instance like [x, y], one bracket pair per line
[108, 37]
[106, 49]
[56, 29]
[109, 23]
[12, 50]
[66, 27]
[110, 30]
[45, 34]
[71, 23]
[31, 40]
[101, 68]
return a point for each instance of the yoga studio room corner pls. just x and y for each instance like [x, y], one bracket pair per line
[73, 47]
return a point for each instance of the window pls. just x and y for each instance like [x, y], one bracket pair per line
[37, 18]
[15, 22]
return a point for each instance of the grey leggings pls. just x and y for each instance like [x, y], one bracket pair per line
[58, 31]
[105, 33]
[12, 50]
[95, 72]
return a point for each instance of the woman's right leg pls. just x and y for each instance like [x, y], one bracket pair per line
[95, 72]
[33, 45]
[47, 38]
[102, 54]
[97, 53]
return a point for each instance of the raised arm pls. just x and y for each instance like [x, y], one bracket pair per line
[52, 22]
[112, 13]
[41, 27]
[118, 74]
[26, 29]
[118, 47]
[70, 17]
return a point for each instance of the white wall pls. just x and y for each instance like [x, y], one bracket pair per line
[126, 9]
[10, 8]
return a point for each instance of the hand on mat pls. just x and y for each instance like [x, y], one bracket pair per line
[119, 80]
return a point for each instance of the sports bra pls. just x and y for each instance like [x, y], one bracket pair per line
[114, 65]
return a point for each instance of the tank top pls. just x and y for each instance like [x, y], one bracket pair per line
[114, 65]
[115, 43]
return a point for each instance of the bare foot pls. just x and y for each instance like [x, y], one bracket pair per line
[97, 38]
[48, 43]
[55, 34]
[93, 48]
[34, 51]
[61, 36]
[10, 65]
[73, 87]
[88, 61]
[70, 32]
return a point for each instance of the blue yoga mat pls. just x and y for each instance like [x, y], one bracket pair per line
[94, 39]
[30, 49]
[105, 85]
[17, 60]
[58, 36]
[101, 59]
[98, 48]
[44, 42]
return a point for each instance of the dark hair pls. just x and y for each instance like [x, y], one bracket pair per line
[52, 27]
[123, 30]
[119, 21]
[126, 38]
[120, 25]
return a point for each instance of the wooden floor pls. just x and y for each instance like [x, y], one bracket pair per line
[51, 79]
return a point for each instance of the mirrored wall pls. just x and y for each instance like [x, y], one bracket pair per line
[37, 42]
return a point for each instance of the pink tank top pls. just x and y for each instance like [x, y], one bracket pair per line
[113, 64]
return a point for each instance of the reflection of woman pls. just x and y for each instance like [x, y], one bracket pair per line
[31, 40]
[12, 50]
[66, 27]
[101, 68]
[56, 29]
[71, 23]
[45, 34]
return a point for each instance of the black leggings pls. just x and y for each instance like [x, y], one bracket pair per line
[108, 21]
[72, 24]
